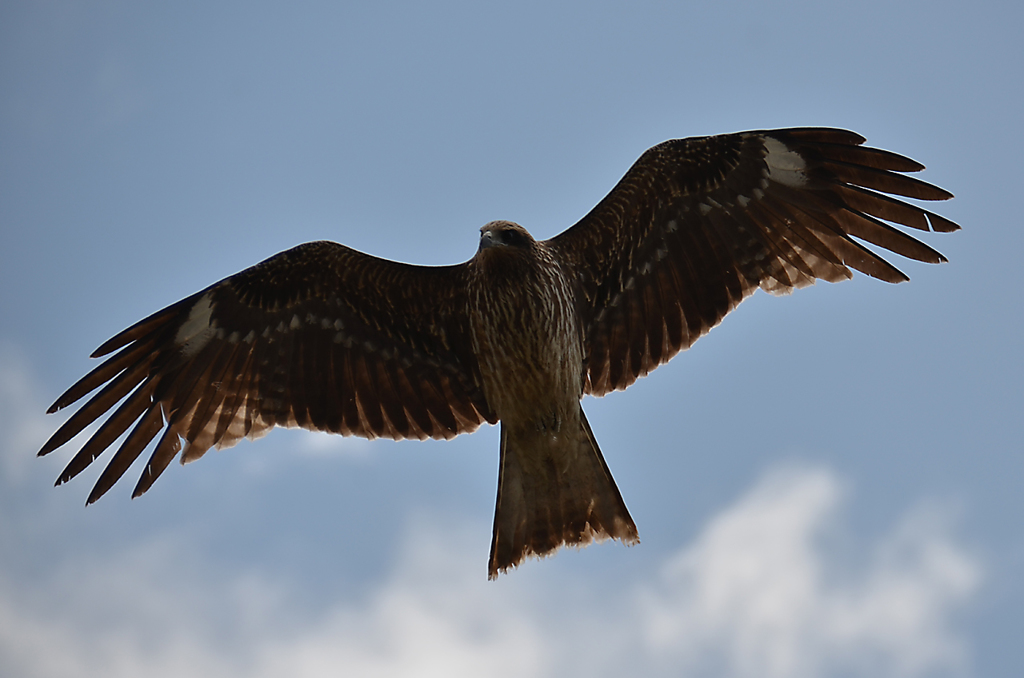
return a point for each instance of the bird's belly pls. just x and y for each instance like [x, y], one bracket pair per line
[531, 361]
[536, 391]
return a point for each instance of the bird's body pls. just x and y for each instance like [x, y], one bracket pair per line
[553, 484]
[527, 333]
[330, 339]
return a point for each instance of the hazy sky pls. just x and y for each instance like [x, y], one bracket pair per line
[829, 484]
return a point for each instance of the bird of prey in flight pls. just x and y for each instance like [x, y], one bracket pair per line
[330, 339]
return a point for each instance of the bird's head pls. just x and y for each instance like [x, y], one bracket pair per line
[504, 234]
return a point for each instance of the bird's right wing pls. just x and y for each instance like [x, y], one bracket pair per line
[320, 336]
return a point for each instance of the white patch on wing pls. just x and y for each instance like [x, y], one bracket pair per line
[784, 166]
[198, 327]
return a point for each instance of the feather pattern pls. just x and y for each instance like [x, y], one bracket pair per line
[320, 336]
[698, 224]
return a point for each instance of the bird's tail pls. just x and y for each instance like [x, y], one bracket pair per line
[553, 490]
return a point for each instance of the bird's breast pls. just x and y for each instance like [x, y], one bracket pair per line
[528, 343]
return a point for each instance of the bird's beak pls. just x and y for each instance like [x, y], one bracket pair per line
[487, 239]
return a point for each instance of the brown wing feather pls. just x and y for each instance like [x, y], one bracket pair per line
[320, 336]
[697, 225]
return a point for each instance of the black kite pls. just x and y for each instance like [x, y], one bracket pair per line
[330, 339]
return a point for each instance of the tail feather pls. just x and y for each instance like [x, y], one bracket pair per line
[553, 490]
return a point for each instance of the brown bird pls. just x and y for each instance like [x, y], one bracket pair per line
[330, 339]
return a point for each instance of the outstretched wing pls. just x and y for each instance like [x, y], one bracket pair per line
[319, 336]
[697, 225]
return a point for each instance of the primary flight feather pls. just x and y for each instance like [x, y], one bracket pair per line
[330, 339]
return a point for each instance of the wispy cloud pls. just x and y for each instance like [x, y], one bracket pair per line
[22, 415]
[762, 591]
[758, 593]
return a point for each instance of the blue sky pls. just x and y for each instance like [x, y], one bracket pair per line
[828, 484]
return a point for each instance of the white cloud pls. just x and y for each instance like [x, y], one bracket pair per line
[753, 595]
[436, 616]
[153, 611]
[22, 415]
[760, 592]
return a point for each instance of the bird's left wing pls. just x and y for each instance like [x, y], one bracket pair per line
[320, 336]
[698, 224]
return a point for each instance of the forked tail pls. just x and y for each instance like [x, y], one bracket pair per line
[553, 490]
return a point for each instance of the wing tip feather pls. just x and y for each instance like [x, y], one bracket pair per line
[941, 224]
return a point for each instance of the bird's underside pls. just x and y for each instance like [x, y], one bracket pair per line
[329, 339]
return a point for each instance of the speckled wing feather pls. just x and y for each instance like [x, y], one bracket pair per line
[320, 336]
[698, 224]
